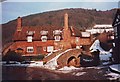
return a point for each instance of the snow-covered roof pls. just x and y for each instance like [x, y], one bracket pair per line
[85, 34]
[103, 26]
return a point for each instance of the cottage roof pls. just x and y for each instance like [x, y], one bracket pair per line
[35, 31]
[103, 26]
[21, 35]
[75, 32]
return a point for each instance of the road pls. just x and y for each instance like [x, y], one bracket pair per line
[38, 73]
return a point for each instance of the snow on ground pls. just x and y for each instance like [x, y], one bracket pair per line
[67, 69]
[35, 64]
[72, 70]
[94, 67]
[38, 64]
[21, 65]
[51, 67]
[115, 67]
[113, 76]
[79, 73]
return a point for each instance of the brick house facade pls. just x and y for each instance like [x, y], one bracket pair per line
[35, 40]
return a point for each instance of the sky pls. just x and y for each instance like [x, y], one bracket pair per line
[11, 9]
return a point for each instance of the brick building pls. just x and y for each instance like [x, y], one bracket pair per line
[35, 40]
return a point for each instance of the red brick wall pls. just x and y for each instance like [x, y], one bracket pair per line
[34, 44]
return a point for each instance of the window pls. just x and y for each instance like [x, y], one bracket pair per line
[57, 32]
[57, 38]
[50, 48]
[44, 38]
[30, 49]
[29, 38]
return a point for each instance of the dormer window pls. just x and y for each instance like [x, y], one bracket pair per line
[57, 38]
[43, 32]
[30, 35]
[44, 38]
[57, 35]
[57, 32]
[29, 38]
[44, 35]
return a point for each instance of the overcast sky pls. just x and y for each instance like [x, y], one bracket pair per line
[11, 9]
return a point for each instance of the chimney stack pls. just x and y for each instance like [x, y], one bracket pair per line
[66, 21]
[19, 24]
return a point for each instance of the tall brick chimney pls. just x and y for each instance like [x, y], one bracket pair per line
[66, 33]
[66, 21]
[19, 24]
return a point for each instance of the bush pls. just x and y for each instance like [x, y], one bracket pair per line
[41, 56]
[12, 56]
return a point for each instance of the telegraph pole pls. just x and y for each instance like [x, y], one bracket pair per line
[116, 26]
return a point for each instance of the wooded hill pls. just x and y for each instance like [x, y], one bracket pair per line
[79, 18]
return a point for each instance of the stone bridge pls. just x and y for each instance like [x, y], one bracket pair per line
[66, 59]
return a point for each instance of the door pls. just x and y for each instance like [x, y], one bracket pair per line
[39, 50]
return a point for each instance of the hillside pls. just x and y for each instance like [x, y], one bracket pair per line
[79, 18]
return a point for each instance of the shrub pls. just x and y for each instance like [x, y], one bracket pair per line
[12, 56]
